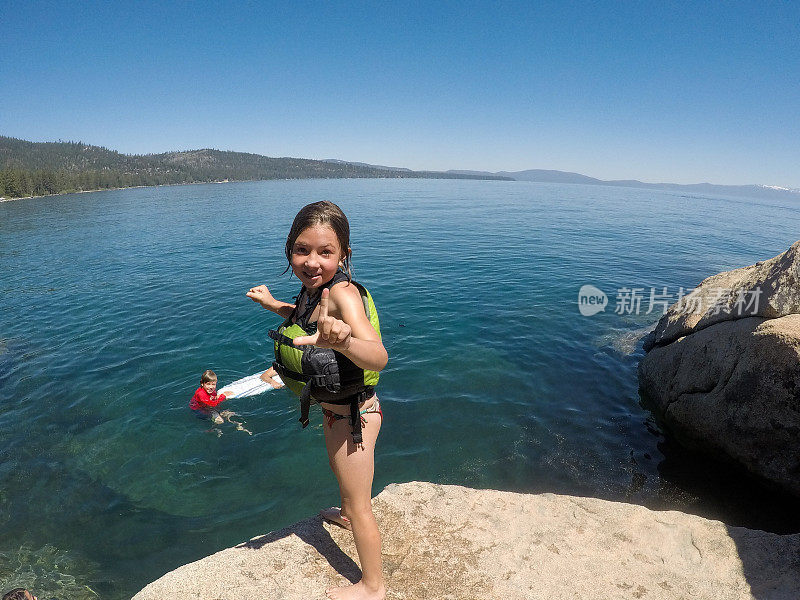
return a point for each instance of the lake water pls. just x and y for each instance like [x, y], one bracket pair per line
[113, 304]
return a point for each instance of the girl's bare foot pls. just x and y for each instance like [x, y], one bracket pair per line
[334, 515]
[359, 591]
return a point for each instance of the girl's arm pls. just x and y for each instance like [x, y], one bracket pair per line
[352, 334]
[263, 296]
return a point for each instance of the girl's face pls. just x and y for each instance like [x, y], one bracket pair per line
[316, 255]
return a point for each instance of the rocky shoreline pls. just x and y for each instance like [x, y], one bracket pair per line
[110, 189]
[722, 369]
[454, 543]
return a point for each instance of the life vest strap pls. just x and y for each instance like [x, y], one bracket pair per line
[355, 417]
[281, 339]
[305, 404]
[316, 380]
[305, 394]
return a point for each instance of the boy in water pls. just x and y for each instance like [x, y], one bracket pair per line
[19, 594]
[205, 399]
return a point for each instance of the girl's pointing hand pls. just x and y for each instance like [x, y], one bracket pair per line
[331, 332]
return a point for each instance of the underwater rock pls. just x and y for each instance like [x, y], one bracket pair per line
[454, 543]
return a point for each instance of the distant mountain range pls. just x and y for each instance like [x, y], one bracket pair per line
[42, 168]
[361, 164]
[548, 176]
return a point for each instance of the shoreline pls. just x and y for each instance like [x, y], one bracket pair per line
[133, 187]
[703, 194]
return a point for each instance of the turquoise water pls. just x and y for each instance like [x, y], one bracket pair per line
[113, 303]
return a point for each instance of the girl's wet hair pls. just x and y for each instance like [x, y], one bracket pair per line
[322, 213]
[207, 376]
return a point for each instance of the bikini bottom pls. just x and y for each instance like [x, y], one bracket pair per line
[331, 417]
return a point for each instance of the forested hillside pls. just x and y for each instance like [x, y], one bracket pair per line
[40, 168]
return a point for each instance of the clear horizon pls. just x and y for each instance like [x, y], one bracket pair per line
[654, 92]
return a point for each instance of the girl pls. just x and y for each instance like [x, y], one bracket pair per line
[329, 350]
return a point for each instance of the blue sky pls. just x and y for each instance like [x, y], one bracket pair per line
[658, 91]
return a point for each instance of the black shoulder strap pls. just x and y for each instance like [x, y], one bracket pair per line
[302, 314]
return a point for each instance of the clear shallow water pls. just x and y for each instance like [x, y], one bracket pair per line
[113, 303]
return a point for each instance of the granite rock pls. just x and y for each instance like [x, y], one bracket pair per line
[454, 543]
[733, 391]
[768, 289]
[722, 369]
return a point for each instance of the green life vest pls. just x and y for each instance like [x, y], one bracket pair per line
[323, 374]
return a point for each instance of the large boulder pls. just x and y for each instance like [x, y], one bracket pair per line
[768, 289]
[722, 369]
[454, 543]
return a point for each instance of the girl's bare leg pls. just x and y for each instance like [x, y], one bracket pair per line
[354, 467]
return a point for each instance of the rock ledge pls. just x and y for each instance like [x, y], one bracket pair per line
[455, 543]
